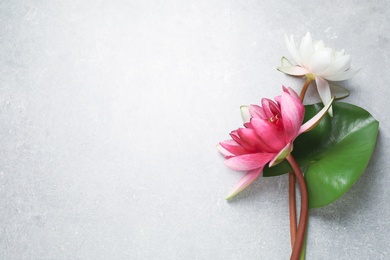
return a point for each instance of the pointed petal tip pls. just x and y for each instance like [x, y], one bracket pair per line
[245, 114]
[285, 62]
[244, 182]
[248, 162]
[282, 155]
[230, 196]
[330, 111]
[223, 151]
[343, 75]
[293, 70]
[316, 119]
[338, 92]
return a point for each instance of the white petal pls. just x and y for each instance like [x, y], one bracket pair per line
[294, 70]
[339, 53]
[338, 92]
[246, 117]
[306, 49]
[320, 61]
[285, 62]
[292, 49]
[319, 45]
[324, 91]
[343, 75]
[338, 65]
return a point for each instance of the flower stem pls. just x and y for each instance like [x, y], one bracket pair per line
[291, 177]
[297, 248]
[303, 252]
[293, 208]
[304, 88]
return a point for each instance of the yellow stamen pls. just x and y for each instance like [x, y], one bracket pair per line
[274, 118]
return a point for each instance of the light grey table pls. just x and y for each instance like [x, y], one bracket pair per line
[110, 112]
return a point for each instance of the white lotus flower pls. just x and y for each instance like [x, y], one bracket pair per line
[320, 63]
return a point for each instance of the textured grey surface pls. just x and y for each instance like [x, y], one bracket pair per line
[110, 112]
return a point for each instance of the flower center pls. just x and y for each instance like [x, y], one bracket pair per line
[274, 119]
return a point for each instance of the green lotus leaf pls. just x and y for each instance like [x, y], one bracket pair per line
[334, 154]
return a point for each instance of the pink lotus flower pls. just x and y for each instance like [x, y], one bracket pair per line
[268, 135]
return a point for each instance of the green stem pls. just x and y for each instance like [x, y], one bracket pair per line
[297, 248]
[303, 252]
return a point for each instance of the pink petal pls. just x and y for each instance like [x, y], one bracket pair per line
[278, 98]
[291, 91]
[249, 136]
[248, 162]
[224, 152]
[244, 182]
[257, 111]
[282, 155]
[232, 148]
[324, 91]
[248, 125]
[270, 108]
[315, 119]
[235, 136]
[293, 112]
[294, 70]
[271, 134]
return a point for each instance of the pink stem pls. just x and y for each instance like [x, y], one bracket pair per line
[297, 248]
